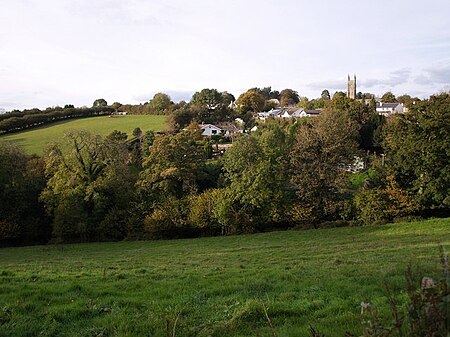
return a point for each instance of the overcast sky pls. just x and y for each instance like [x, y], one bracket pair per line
[56, 52]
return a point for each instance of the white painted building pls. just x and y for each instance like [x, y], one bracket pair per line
[212, 130]
[388, 109]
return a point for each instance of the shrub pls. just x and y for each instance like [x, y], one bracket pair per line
[169, 220]
[201, 214]
[380, 205]
[372, 205]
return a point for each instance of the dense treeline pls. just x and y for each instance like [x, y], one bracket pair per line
[21, 120]
[289, 173]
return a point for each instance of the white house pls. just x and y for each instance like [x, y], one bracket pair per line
[275, 113]
[211, 130]
[285, 114]
[305, 113]
[387, 109]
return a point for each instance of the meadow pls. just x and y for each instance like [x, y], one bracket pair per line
[217, 286]
[34, 141]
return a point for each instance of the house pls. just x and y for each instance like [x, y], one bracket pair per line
[387, 109]
[285, 114]
[274, 113]
[221, 129]
[229, 128]
[232, 105]
[300, 113]
[211, 130]
[118, 113]
[312, 113]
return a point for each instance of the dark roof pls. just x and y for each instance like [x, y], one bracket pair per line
[386, 105]
[313, 112]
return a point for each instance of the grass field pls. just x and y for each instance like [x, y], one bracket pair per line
[34, 141]
[212, 286]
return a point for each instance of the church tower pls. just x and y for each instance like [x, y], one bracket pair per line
[351, 87]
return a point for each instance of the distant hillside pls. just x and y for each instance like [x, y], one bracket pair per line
[34, 141]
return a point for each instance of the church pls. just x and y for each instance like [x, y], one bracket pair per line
[351, 87]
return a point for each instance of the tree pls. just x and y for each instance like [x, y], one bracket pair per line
[323, 148]
[388, 97]
[116, 105]
[417, 151]
[22, 217]
[160, 102]
[149, 138]
[172, 165]
[137, 132]
[181, 118]
[267, 93]
[207, 98]
[117, 136]
[305, 104]
[90, 188]
[227, 98]
[250, 101]
[339, 102]
[325, 94]
[256, 170]
[407, 100]
[99, 102]
[289, 97]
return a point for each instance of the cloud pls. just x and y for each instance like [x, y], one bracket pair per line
[135, 12]
[328, 84]
[175, 95]
[395, 78]
[436, 75]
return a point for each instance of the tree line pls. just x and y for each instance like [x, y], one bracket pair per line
[207, 105]
[289, 173]
[20, 120]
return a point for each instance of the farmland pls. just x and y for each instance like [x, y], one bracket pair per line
[34, 141]
[213, 286]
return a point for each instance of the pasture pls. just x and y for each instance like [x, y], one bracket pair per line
[34, 141]
[214, 286]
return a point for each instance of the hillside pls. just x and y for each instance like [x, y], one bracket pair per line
[212, 286]
[35, 140]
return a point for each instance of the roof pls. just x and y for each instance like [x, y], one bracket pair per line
[205, 126]
[297, 113]
[313, 112]
[387, 105]
[230, 127]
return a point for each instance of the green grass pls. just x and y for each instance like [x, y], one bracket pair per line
[34, 141]
[215, 285]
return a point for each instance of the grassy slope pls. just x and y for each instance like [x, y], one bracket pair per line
[217, 285]
[34, 141]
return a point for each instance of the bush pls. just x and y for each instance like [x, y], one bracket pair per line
[372, 205]
[169, 221]
[201, 214]
[380, 205]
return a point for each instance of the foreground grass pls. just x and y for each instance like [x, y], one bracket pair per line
[34, 141]
[215, 286]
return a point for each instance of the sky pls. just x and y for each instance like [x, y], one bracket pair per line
[57, 52]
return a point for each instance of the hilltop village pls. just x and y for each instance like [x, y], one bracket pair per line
[219, 165]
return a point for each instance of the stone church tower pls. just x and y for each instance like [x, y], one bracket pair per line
[351, 87]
